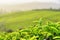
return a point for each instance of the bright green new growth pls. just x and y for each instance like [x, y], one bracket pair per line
[49, 31]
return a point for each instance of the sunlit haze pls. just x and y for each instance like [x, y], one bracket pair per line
[3, 2]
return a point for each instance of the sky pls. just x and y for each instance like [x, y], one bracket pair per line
[3, 2]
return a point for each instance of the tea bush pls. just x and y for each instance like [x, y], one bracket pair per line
[49, 31]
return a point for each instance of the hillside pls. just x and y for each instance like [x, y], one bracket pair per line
[15, 20]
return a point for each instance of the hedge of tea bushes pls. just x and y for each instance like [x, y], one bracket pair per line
[49, 31]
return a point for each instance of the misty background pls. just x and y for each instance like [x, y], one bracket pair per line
[22, 5]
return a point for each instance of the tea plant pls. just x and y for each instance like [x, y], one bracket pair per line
[49, 31]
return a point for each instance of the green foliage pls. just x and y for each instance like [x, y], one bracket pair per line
[15, 20]
[48, 31]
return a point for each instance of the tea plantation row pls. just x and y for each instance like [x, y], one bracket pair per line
[39, 31]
